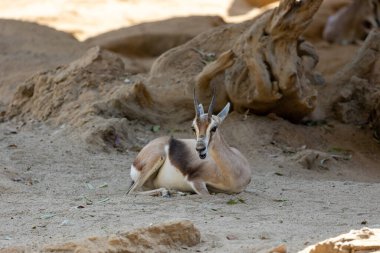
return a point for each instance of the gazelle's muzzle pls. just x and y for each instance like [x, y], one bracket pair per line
[201, 148]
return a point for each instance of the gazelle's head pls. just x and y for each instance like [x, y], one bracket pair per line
[205, 125]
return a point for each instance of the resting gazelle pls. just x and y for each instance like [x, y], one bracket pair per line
[188, 165]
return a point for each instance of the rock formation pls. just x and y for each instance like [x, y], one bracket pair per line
[364, 240]
[163, 237]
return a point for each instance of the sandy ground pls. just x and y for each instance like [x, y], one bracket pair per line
[54, 189]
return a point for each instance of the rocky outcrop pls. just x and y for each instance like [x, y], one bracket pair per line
[364, 240]
[163, 237]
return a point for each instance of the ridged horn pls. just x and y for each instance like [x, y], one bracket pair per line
[196, 105]
[211, 107]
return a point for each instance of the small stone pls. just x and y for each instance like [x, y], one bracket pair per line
[231, 237]
[264, 236]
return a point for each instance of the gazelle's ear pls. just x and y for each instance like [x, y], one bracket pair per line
[223, 114]
[201, 109]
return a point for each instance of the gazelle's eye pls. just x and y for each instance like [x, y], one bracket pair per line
[213, 129]
[367, 24]
[193, 128]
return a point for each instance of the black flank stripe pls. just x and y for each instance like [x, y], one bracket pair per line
[179, 156]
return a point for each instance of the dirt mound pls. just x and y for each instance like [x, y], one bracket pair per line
[27, 48]
[83, 94]
[163, 237]
[364, 240]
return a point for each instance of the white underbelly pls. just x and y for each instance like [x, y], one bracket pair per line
[170, 177]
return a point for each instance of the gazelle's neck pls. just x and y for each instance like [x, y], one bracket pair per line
[220, 151]
[218, 144]
[230, 162]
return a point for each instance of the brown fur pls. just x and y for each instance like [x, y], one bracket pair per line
[202, 124]
[150, 153]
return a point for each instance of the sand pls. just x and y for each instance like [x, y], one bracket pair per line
[309, 183]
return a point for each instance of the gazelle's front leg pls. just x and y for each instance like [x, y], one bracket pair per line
[161, 192]
[199, 187]
[155, 193]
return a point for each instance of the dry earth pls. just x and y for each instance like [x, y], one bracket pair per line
[47, 176]
[310, 182]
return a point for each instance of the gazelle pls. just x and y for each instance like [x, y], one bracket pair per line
[188, 165]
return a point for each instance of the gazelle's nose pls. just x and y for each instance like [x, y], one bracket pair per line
[200, 146]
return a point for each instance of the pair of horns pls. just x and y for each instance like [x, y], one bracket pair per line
[199, 108]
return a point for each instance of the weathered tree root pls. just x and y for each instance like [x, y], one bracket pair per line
[224, 61]
[273, 67]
